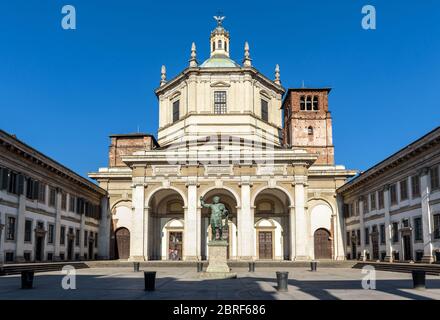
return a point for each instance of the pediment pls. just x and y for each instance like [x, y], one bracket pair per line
[220, 84]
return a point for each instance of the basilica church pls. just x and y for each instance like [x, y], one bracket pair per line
[227, 130]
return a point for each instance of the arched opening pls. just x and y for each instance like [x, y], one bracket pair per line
[122, 243]
[219, 46]
[322, 244]
[165, 226]
[230, 228]
[272, 239]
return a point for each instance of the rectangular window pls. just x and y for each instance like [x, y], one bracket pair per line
[395, 232]
[52, 196]
[176, 110]
[3, 178]
[12, 182]
[358, 237]
[96, 240]
[28, 230]
[264, 110]
[404, 190]
[63, 201]
[415, 186]
[382, 233]
[393, 194]
[50, 233]
[86, 237]
[9, 257]
[367, 236]
[373, 201]
[435, 183]
[62, 235]
[348, 239]
[418, 231]
[380, 199]
[29, 188]
[436, 226]
[10, 230]
[315, 103]
[77, 237]
[219, 102]
[365, 204]
[71, 203]
[41, 192]
[302, 103]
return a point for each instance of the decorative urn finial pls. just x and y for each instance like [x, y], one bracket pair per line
[247, 61]
[193, 60]
[163, 75]
[277, 75]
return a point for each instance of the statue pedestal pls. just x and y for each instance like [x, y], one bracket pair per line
[217, 266]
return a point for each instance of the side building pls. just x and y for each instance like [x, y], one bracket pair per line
[47, 212]
[392, 210]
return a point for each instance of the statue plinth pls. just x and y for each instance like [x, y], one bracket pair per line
[217, 261]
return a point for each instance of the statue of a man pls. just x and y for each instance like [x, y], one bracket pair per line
[218, 212]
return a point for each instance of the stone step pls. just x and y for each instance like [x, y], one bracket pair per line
[10, 269]
[431, 269]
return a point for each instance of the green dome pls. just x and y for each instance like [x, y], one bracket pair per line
[218, 61]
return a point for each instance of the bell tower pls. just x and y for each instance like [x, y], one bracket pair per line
[219, 39]
[308, 122]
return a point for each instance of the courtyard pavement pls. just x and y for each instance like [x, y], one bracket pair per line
[183, 284]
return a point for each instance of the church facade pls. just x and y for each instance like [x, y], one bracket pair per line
[227, 130]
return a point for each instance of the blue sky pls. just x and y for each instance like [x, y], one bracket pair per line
[63, 92]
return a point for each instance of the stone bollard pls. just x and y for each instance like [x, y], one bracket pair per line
[419, 279]
[251, 266]
[150, 280]
[136, 266]
[313, 266]
[199, 266]
[27, 279]
[282, 279]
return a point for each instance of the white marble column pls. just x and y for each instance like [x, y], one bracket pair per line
[19, 254]
[104, 230]
[190, 236]
[57, 223]
[388, 225]
[137, 223]
[426, 216]
[81, 236]
[339, 230]
[301, 231]
[362, 228]
[1, 242]
[292, 244]
[245, 221]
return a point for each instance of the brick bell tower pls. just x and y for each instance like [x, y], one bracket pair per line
[308, 123]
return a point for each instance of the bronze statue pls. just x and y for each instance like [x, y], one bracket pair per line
[218, 213]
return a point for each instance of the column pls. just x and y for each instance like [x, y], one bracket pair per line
[426, 216]
[147, 232]
[104, 231]
[81, 235]
[301, 230]
[245, 221]
[190, 236]
[1, 243]
[20, 228]
[292, 233]
[137, 224]
[388, 225]
[57, 224]
[362, 228]
[339, 229]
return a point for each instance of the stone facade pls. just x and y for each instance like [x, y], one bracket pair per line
[392, 210]
[48, 212]
[220, 133]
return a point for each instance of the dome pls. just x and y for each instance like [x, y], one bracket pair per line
[219, 61]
